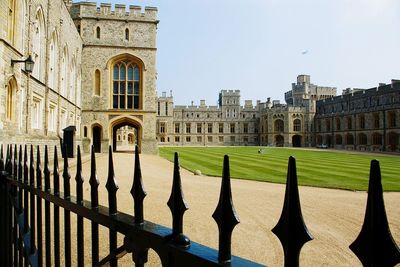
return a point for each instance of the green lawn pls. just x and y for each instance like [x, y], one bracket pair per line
[321, 168]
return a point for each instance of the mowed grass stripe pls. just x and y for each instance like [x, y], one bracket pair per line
[321, 168]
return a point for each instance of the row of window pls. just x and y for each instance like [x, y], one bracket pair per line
[376, 122]
[348, 139]
[210, 139]
[98, 33]
[229, 113]
[199, 127]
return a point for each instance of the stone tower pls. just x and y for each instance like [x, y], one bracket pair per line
[118, 73]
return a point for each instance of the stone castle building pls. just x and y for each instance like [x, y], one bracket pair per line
[229, 123]
[94, 77]
[35, 106]
[361, 119]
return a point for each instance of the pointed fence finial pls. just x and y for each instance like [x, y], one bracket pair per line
[178, 206]
[375, 246]
[38, 169]
[111, 184]
[46, 169]
[78, 178]
[137, 191]
[15, 162]
[93, 181]
[291, 230]
[31, 168]
[225, 215]
[66, 176]
[1, 159]
[56, 174]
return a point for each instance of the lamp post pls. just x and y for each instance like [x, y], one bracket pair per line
[29, 63]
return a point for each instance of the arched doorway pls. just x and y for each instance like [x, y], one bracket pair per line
[279, 141]
[296, 140]
[96, 131]
[130, 131]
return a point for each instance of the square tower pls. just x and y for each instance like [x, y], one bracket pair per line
[118, 73]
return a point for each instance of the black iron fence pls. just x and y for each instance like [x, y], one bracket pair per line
[25, 187]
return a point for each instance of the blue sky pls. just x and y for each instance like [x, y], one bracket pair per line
[256, 46]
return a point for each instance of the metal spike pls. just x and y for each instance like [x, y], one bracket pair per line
[225, 215]
[38, 169]
[66, 176]
[20, 163]
[1, 159]
[291, 229]
[56, 174]
[78, 178]
[15, 162]
[46, 170]
[93, 181]
[10, 162]
[178, 206]
[32, 168]
[25, 165]
[111, 184]
[137, 191]
[375, 246]
[7, 163]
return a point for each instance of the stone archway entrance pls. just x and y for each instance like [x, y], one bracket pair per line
[296, 140]
[128, 129]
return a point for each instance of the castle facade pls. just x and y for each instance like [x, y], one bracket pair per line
[94, 84]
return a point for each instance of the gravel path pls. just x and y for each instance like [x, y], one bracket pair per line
[334, 217]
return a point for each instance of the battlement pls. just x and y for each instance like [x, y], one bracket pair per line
[108, 11]
[230, 92]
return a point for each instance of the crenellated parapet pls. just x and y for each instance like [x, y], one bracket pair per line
[109, 11]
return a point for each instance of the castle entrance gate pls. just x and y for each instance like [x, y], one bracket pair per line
[126, 133]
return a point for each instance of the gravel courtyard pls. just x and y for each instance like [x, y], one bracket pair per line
[334, 217]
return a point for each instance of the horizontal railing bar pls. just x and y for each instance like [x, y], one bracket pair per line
[150, 234]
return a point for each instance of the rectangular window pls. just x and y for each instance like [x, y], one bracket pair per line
[162, 139]
[232, 128]
[245, 128]
[209, 128]
[198, 127]
[162, 127]
[37, 112]
[376, 120]
[166, 108]
[177, 139]
[209, 139]
[177, 128]
[233, 138]
[52, 119]
[187, 127]
[221, 128]
[158, 109]
[362, 122]
[245, 139]
[188, 139]
[220, 139]
[199, 139]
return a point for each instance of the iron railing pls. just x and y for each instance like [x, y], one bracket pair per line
[21, 218]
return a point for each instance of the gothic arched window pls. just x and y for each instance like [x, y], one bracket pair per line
[126, 85]
[296, 125]
[38, 42]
